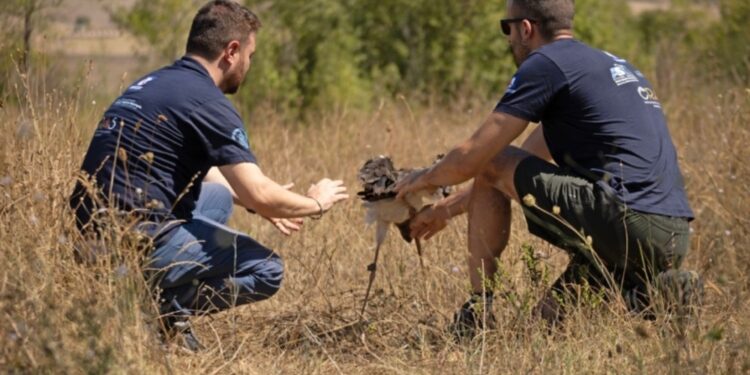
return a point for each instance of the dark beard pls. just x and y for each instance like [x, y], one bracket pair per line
[233, 85]
[519, 58]
[232, 89]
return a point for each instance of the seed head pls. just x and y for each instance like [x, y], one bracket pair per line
[122, 154]
[529, 200]
[148, 157]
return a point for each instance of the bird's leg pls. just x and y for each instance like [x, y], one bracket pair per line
[372, 268]
[419, 252]
[381, 231]
[412, 213]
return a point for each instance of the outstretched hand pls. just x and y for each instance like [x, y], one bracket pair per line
[328, 192]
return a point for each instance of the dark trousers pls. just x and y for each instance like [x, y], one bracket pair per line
[609, 243]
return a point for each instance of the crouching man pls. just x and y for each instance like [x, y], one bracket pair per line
[599, 177]
[172, 151]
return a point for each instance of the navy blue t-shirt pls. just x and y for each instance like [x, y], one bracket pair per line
[157, 141]
[602, 121]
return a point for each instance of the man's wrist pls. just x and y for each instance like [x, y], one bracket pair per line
[320, 210]
[443, 210]
[427, 178]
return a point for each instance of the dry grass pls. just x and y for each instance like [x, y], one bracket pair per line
[57, 316]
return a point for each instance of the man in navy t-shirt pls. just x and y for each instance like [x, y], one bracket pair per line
[598, 177]
[169, 158]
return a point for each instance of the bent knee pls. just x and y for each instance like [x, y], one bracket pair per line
[500, 171]
[265, 280]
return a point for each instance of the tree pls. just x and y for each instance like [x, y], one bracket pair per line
[30, 14]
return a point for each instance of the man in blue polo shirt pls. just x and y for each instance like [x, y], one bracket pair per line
[598, 177]
[171, 155]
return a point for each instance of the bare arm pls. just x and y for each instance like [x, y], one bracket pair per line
[458, 202]
[470, 157]
[215, 176]
[256, 191]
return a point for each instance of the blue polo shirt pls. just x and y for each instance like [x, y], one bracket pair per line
[603, 121]
[156, 142]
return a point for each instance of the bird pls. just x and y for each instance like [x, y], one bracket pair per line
[379, 177]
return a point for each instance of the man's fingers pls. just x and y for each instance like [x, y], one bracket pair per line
[401, 193]
[282, 229]
[400, 187]
[288, 186]
[418, 229]
[291, 225]
[340, 197]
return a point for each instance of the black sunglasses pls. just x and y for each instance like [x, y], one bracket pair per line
[505, 23]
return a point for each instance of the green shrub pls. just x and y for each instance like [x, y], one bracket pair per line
[326, 54]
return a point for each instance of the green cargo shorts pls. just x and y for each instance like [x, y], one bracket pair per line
[598, 231]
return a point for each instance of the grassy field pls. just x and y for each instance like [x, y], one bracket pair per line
[58, 316]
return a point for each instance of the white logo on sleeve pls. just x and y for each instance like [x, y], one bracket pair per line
[139, 85]
[239, 136]
[512, 86]
[622, 75]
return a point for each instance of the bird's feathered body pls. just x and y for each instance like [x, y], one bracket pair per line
[378, 177]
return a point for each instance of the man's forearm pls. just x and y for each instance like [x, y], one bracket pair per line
[255, 191]
[273, 200]
[455, 204]
[470, 157]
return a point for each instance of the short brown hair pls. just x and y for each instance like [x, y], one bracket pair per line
[551, 15]
[218, 23]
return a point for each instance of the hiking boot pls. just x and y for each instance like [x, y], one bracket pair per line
[180, 329]
[176, 326]
[474, 315]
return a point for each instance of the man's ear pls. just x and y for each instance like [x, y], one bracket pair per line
[232, 51]
[527, 29]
